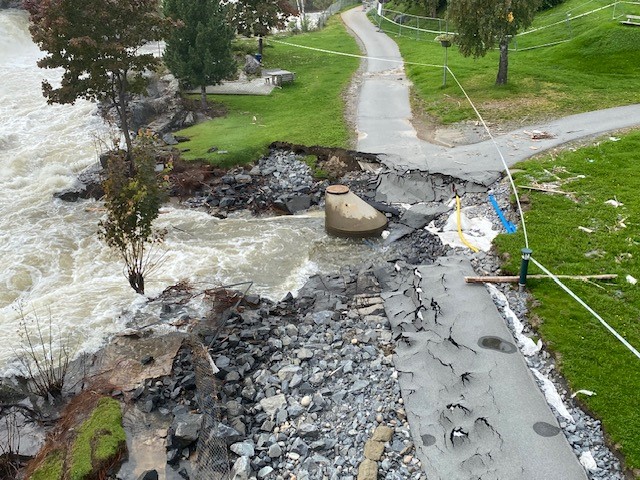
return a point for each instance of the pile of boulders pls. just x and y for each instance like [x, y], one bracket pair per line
[279, 182]
[306, 388]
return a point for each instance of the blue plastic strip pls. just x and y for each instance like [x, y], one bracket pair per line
[508, 226]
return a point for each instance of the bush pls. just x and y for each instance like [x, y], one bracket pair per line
[547, 4]
[45, 364]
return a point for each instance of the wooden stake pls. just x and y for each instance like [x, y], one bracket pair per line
[515, 278]
[547, 190]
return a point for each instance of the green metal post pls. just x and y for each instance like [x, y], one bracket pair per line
[444, 78]
[524, 267]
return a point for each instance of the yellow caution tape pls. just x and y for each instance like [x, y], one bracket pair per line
[464, 240]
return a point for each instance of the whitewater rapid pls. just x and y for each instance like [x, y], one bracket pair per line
[53, 264]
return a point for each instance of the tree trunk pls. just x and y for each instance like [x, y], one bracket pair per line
[136, 280]
[501, 79]
[203, 97]
[124, 120]
[260, 46]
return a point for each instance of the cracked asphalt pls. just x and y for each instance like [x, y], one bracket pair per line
[474, 408]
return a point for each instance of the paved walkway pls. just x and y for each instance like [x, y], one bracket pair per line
[384, 120]
[474, 408]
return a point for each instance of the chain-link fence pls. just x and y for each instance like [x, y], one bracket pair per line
[552, 28]
[333, 9]
[212, 462]
[405, 25]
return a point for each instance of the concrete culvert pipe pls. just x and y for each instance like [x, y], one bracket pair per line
[347, 215]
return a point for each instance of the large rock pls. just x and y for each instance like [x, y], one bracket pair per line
[272, 404]
[368, 470]
[298, 203]
[10, 4]
[161, 109]
[382, 433]
[241, 469]
[185, 428]
[88, 184]
[148, 475]
[251, 65]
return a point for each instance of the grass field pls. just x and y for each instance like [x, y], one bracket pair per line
[596, 68]
[310, 111]
[589, 356]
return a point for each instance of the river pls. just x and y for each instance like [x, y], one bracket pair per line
[54, 266]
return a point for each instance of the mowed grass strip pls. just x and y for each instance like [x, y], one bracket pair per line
[311, 111]
[596, 68]
[589, 356]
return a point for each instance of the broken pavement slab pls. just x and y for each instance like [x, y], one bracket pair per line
[121, 362]
[473, 406]
[398, 184]
[421, 214]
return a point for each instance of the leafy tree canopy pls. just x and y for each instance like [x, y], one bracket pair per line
[483, 24]
[258, 17]
[133, 203]
[96, 42]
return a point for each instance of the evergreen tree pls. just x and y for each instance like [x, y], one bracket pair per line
[198, 51]
[482, 24]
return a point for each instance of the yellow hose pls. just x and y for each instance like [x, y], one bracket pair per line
[464, 240]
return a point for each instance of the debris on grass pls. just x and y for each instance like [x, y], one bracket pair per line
[631, 279]
[614, 203]
[585, 229]
[584, 392]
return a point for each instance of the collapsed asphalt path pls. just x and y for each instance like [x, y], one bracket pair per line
[474, 408]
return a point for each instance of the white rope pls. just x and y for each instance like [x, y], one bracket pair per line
[589, 309]
[560, 22]
[354, 55]
[504, 163]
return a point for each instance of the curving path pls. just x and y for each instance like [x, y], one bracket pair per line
[472, 402]
[384, 121]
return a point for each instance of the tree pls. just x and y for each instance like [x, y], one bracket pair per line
[256, 18]
[430, 7]
[482, 24]
[96, 42]
[198, 51]
[133, 203]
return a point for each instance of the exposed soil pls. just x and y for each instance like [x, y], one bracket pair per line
[213, 110]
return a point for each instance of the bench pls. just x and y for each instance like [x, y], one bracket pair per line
[632, 20]
[278, 77]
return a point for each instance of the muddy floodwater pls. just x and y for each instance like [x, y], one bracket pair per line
[53, 264]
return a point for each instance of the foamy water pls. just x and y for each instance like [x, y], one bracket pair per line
[52, 261]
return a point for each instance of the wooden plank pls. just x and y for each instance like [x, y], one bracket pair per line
[515, 278]
[547, 190]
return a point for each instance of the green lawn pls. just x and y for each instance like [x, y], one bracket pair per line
[597, 68]
[310, 111]
[590, 357]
